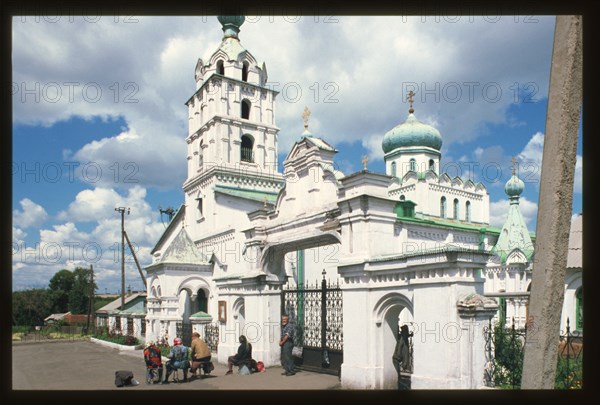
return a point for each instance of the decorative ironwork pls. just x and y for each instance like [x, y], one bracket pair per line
[247, 155]
[305, 307]
[184, 331]
[569, 371]
[316, 314]
[504, 357]
[211, 335]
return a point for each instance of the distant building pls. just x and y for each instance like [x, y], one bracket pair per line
[129, 320]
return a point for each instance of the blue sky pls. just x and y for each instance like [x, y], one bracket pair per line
[99, 119]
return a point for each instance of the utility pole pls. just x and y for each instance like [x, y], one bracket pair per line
[91, 306]
[122, 211]
[554, 211]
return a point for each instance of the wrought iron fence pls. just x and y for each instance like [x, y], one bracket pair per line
[569, 371]
[504, 349]
[316, 313]
[211, 336]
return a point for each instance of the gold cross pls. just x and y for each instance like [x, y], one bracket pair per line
[410, 96]
[514, 165]
[305, 116]
[365, 159]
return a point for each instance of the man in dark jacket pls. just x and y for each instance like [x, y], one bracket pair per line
[244, 353]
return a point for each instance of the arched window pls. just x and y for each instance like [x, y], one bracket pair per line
[200, 207]
[413, 165]
[579, 309]
[246, 150]
[246, 108]
[456, 208]
[431, 165]
[245, 72]
[220, 68]
[394, 169]
[468, 211]
[200, 154]
[443, 207]
[202, 301]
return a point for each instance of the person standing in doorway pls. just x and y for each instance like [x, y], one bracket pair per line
[401, 357]
[287, 343]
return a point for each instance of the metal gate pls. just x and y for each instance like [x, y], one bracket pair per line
[184, 331]
[316, 314]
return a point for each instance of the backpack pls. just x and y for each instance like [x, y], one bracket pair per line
[123, 377]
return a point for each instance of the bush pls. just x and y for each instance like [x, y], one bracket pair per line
[569, 373]
[21, 329]
[114, 337]
[508, 357]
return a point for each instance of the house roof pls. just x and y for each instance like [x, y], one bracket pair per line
[56, 317]
[116, 304]
[183, 250]
[76, 318]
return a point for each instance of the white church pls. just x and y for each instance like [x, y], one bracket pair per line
[409, 246]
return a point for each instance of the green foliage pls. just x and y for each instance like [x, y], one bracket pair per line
[60, 286]
[79, 295]
[20, 329]
[508, 357]
[30, 307]
[114, 337]
[164, 350]
[569, 373]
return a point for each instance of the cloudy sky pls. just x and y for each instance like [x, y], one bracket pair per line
[99, 119]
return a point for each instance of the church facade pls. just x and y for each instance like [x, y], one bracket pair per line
[409, 246]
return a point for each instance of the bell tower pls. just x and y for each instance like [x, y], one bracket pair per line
[232, 133]
[231, 115]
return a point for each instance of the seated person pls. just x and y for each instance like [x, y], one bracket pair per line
[178, 360]
[201, 355]
[154, 367]
[243, 354]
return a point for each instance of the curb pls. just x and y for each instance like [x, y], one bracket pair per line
[116, 345]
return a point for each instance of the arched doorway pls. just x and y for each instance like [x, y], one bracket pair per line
[393, 311]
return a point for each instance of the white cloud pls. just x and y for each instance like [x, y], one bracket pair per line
[499, 212]
[31, 214]
[355, 69]
[353, 74]
[530, 163]
[18, 235]
[65, 245]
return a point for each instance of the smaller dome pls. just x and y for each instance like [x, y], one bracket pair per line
[231, 24]
[412, 133]
[514, 186]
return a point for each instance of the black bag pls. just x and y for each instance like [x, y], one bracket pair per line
[123, 377]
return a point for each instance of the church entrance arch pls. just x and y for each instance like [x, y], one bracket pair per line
[391, 313]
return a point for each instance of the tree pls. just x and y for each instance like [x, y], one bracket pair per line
[60, 287]
[31, 307]
[80, 293]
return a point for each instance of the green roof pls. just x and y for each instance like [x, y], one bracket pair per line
[412, 133]
[247, 194]
[201, 315]
[438, 222]
[514, 234]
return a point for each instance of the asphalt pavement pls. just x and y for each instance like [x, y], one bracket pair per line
[87, 366]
